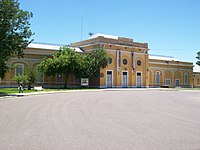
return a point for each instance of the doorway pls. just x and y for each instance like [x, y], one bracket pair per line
[109, 79]
[124, 79]
[139, 79]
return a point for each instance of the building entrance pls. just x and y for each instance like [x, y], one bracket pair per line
[125, 79]
[109, 79]
[139, 79]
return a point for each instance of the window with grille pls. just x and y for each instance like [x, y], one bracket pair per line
[157, 78]
[185, 78]
[19, 69]
[167, 82]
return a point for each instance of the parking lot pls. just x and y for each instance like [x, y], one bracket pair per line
[102, 120]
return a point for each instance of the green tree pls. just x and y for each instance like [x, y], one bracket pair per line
[14, 32]
[68, 61]
[21, 79]
[32, 75]
[65, 61]
[29, 78]
[92, 62]
[198, 58]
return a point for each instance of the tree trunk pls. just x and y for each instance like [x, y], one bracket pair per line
[66, 80]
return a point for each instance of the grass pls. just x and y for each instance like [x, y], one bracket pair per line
[12, 91]
[190, 89]
[6, 91]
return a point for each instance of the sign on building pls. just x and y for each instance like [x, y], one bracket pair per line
[84, 81]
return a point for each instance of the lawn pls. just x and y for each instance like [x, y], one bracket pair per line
[190, 88]
[12, 91]
[5, 91]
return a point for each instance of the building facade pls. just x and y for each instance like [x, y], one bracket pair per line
[130, 65]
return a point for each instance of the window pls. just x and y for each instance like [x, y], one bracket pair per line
[110, 61]
[59, 77]
[177, 82]
[40, 76]
[19, 69]
[118, 58]
[167, 81]
[185, 78]
[125, 61]
[198, 81]
[157, 78]
[139, 62]
[133, 60]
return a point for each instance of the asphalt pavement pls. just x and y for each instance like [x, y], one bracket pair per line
[102, 120]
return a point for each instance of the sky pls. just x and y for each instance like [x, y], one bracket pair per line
[170, 27]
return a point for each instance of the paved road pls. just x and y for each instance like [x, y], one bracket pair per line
[104, 120]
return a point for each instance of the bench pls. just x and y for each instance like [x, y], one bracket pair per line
[38, 88]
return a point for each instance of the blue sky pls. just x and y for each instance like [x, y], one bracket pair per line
[170, 27]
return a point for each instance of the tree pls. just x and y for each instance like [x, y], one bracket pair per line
[65, 61]
[32, 75]
[68, 61]
[21, 79]
[14, 32]
[92, 62]
[198, 58]
[29, 78]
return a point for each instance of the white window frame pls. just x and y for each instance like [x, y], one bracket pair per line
[16, 68]
[56, 77]
[122, 78]
[184, 75]
[158, 72]
[106, 77]
[136, 78]
[169, 81]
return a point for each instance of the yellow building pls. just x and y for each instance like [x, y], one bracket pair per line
[196, 76]
[130, 65]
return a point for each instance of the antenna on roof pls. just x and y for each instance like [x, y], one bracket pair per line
[91, 34]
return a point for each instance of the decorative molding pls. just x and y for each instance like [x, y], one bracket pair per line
[159, 63]
[38, 53]
[101, 43]
[165, 68]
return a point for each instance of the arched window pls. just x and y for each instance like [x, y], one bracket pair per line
[19, 69]
[157, 78]
[185, 78]
[40, 76]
